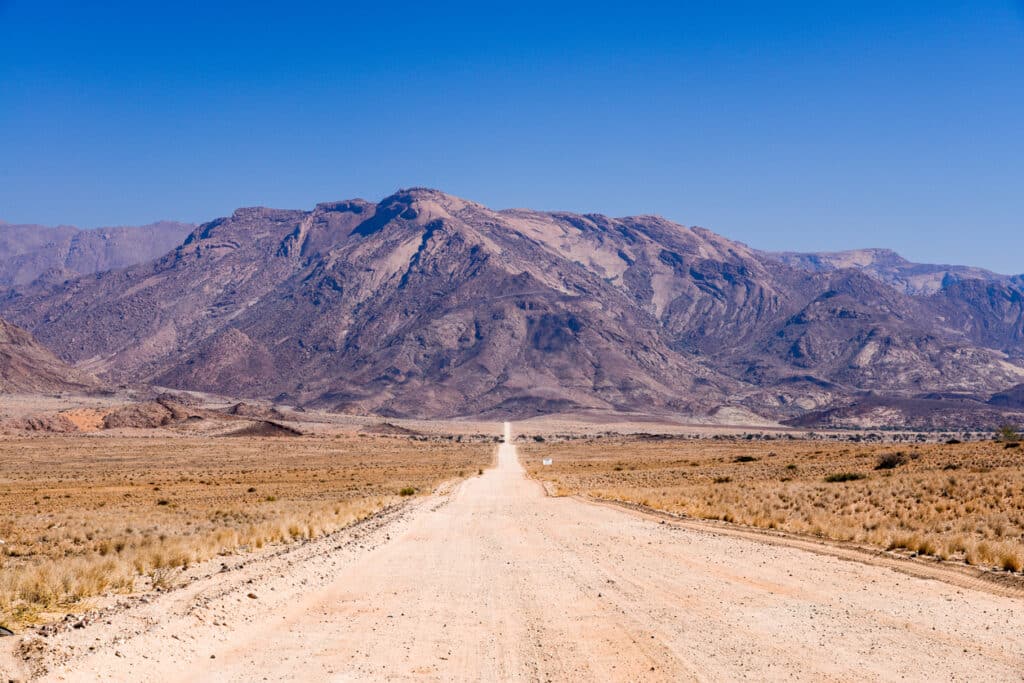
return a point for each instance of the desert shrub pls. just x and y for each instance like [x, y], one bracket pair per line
[723, 480]
[890, 461]
[1008, 433]
[1011, 561]
[163, 578]
[407, 491]
[844, 476]
[745, 458]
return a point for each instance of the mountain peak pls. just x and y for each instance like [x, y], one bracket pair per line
[427, 195]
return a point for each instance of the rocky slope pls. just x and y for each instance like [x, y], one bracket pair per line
[55, 254]
[27, 367]
[430, 305]
[986, 307]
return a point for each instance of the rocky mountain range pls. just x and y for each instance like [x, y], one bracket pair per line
[428, 305]
[54, 254]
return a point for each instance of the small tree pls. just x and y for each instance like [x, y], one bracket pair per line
[1008, 433]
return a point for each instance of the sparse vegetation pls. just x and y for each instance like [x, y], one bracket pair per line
[961, 502]
[78, 519]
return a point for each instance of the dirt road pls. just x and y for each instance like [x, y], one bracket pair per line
[495, 581]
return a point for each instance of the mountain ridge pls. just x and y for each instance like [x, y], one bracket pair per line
[53, 254]
[892, 268]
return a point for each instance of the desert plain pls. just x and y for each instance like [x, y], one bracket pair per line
[390, 550]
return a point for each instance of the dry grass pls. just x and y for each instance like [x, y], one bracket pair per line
[80, 517]
[961, 502]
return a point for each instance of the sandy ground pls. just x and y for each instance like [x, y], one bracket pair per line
[495, 581]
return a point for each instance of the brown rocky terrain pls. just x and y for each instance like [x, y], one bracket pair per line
[28, 367]
[427, 305]
[55, 254]
[924, 412]
[1011, 398]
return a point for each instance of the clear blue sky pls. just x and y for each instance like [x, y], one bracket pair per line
[801, 125]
